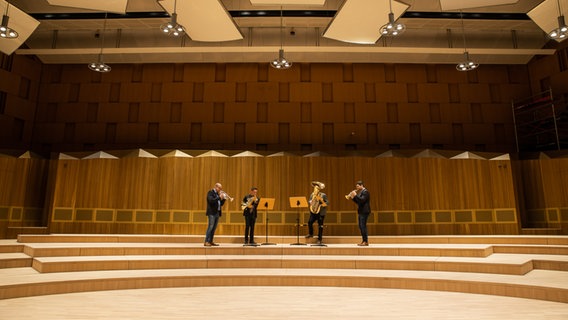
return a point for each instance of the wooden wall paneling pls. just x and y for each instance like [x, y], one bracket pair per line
[135, 92]
[411, 73]
[242, 72]
[54, 92]
[175, 133]
[196, 112]
[436, 133]
[554, 182]
[121, 73]
[306, 92]
[113, 112]
[326, 72]
[327, 112]
[391, 92]
[27, 67]
[292, 75]
[20, 108]
[348, 92]
[368, 72]
[433, 92]
[157, 73]
[49, 133]
[305, 133]
[177, 92]
[199, 72]
[131, 133]
[394, 133]
[217, 133]
[262, 92]
[501, 183]
[496, 74]
[76, 74]
[371, 112]
[154, 112]
[261, 133]
[97, 182]
[478, 133]
[349, 133]
[219, 91]
[9, 82]
[455, 113]
[94, 92]
[72, 112]
[240, 112]
[497, 112]
[413, 112]
[446, 73]
[136, 183]
[513, 91]
[472, 92]
[558, 83]
[283, 112]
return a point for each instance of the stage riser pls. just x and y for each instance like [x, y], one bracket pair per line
[121, 283]
[121, 238]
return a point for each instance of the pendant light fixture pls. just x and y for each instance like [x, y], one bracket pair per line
[172, 28]
[392, 28]
[5, 31]
[467, 64]
[100, 66]
[561, 32]
[281, 62]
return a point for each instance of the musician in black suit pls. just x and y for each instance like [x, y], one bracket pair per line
[361, 197]
[319, 216]
[215, 201]
[249, 205]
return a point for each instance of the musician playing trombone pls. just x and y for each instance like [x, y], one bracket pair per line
[215, 201]
[249, 205]
[318, 206]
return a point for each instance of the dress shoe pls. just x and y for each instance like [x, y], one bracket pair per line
[253, 244]
[207, 244]
[363, 244]
[319, 242]
[308, 236]
[214, 244]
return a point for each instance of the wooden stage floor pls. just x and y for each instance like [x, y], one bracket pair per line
[167, 277]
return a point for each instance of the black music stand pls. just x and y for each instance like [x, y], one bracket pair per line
[298, 202]
[266, 204]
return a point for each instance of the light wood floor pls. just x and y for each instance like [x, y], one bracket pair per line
[278, 303]
[453, 277]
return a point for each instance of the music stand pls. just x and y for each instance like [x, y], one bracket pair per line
[266, 204]
[298, 202]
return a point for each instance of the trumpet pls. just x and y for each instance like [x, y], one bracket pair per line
[226, 196]
[351, 194]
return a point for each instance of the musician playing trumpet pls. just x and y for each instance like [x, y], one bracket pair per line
[249, 206]
[215, 201]
[318, 206]
[361, 197]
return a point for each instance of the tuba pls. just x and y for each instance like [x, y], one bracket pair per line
[315, 204]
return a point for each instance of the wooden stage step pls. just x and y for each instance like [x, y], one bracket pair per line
[534, 267]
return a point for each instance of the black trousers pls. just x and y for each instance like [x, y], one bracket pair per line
[319, 219]
[250, 220]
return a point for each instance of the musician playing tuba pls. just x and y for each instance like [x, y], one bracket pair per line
[249, 205]
[318, 206]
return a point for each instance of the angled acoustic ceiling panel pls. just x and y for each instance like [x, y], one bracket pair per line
[449, 5]
[545, 15]
[19, 21]
[287, 2]
[204, 20]
[360, 21]
[116, 6]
